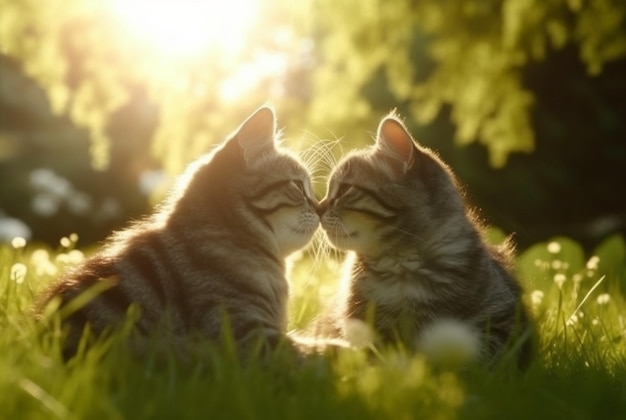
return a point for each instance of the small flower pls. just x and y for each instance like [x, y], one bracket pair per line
[18, 242]
[18, 272]
[358, 333]
[536, 297]
[572, 320]
[603, 299]
[559, 279]
[554, 247]
[557, 264]
[72, 257]
[593, 262]
[40, 259]
[450, 342]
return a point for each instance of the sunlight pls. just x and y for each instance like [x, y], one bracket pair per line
[249, 75]
[184, 28]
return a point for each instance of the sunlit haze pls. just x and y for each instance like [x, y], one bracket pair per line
[184, 28]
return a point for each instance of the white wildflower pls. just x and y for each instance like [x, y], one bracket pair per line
[603, 299]
[572, 320]
[45, 205]
[554, 247]
[559, 279]
[18, 242]
[358, 333]
[18, 272]
[593, 262]
[72, 257]
[11, 228]
[450, 342]
[40, 260]
[536, 297]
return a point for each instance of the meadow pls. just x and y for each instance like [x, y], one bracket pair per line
[576, 299]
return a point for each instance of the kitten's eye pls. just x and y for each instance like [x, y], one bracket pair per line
[342, 189]
[299, 185]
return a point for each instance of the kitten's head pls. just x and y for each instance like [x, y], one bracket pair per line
[388, 196]
[257, 190]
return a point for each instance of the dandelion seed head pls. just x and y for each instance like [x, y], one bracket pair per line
[557, 264]
[450, 342]
[593, 262]
[40, 260]
[554, 247]
[603, 299]
[18, 242]
[536, 297]
[358, 333]
[559, 279]
[572, 320]
[65, 242]
[72, 257]
[18, 272]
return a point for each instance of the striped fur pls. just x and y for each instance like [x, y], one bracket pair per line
[214, 251]
[417, 254]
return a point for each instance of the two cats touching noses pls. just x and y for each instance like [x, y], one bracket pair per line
[212, 256]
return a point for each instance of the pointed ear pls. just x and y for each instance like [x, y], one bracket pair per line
[257, 132]
[394, 139]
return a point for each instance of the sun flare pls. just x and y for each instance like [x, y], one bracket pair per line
[184, 28]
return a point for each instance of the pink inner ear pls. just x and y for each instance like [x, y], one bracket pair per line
[259, 127]
[393, 136]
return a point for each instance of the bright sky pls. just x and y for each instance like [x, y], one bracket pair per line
[184, 28]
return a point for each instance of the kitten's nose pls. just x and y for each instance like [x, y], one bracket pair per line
[322, 206]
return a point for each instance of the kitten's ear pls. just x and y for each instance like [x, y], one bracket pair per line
[394, 139]
[257, 132]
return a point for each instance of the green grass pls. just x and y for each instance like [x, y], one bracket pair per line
[580, 372]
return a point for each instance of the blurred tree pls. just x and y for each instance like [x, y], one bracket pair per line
[339, 65]
[88, 62]
[468, 54]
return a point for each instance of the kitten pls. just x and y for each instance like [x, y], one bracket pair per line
[213, 252]
[417, 256]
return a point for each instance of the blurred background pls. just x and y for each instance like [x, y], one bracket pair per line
[103, 103]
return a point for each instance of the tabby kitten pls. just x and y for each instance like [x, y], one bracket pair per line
[213, 252]
[417, 255]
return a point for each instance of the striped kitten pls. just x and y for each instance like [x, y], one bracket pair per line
[417, 256]
[213, 252]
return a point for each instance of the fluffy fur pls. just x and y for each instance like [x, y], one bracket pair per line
[212, 255]
[417, 253]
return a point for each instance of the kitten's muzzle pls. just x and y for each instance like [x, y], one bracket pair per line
[321, 207]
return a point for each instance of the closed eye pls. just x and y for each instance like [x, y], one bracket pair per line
[299, 185]
[342, 189]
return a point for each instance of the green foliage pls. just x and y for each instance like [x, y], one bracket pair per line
[581, 363]
[475, 54]
[466, 54]
[89, 64]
